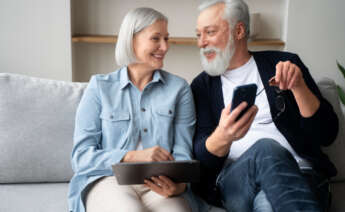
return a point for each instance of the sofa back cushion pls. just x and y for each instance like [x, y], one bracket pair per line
[36, 128]
[37, 124]
[336, 151]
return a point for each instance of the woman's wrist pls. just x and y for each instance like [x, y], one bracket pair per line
[129, 156]
[180, 188]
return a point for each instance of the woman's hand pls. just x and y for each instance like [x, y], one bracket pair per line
[155, 153]
[164, 186]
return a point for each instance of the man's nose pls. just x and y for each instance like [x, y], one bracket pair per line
[202, 41]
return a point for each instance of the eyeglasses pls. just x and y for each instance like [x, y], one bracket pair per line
[279, 104]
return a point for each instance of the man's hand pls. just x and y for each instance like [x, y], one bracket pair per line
[289, 77]
[229, 129]
[155, 153]
[164, 186]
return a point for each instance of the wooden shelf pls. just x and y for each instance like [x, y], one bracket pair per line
[172, 40]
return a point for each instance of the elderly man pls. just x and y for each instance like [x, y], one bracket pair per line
[274, 148]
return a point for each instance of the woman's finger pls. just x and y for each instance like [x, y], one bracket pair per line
[166, 154]
[158, 182]
[167, 181]
[152, 186]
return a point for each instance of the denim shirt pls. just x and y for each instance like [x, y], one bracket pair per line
[113, 114]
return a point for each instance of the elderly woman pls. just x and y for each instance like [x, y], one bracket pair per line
[137, 113]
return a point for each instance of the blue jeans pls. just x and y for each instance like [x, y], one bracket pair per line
[267, 167]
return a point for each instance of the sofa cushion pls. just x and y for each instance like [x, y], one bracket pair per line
[336, 150]
[41, 197]
[36, 128]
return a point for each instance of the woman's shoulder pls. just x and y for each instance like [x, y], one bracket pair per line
[109, 77]
[173, 79]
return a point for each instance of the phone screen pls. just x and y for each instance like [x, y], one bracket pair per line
[243, 93]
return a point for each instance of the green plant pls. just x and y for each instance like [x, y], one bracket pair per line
[341, 92]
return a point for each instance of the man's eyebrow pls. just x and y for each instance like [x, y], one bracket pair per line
[206, 27]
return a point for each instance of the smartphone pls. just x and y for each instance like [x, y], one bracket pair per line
[243, 93]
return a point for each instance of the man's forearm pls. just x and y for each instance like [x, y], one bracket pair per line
[307, 102]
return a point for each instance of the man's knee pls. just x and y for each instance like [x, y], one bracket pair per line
[268, 147]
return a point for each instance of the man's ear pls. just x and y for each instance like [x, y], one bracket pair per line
[240, 31]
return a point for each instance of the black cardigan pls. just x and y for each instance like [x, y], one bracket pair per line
[305, 135]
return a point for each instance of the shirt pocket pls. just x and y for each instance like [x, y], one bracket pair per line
[115, 125]
[164, 126]
[166, 112]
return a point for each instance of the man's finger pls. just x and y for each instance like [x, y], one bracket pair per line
[226, 110]
[293, 79]
[290, 75]
[279, 67]
[246, 125]
[236, 112]
[246, 118]
[284, 72]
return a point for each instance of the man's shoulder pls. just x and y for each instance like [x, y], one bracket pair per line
[203, 79]
[200, 77]
[275, 55]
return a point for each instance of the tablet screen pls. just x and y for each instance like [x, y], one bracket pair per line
[178, 171]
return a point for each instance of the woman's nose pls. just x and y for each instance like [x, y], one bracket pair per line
[164, 45]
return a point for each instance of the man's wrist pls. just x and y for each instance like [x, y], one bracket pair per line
[301, 89]
[217, 144]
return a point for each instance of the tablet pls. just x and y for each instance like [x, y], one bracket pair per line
[136, 172]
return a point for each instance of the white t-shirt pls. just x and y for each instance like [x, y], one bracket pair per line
[246, 74]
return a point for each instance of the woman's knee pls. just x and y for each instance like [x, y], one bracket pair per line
[105, 195]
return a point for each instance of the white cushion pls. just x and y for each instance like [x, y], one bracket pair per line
[36, 128]
[337, 149]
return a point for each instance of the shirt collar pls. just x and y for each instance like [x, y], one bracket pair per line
[124, 80]
[157, 76]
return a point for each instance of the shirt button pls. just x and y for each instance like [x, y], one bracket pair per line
[111, 117]
[145, 129]
[170, 112]
[143, 109]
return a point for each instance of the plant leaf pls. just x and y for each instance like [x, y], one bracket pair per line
[341, 68]
[341, 94]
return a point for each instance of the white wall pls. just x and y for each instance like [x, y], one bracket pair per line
[35, 34]
[316, 31]
[105, 17]
[35, 38]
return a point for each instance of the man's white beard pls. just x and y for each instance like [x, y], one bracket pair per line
[221, 62]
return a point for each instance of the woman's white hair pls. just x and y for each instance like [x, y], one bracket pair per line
[235, 11]
[135, 21]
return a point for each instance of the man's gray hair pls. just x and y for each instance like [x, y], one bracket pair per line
[235, 11]
[135, 21]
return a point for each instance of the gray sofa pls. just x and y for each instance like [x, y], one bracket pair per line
[36, 129]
